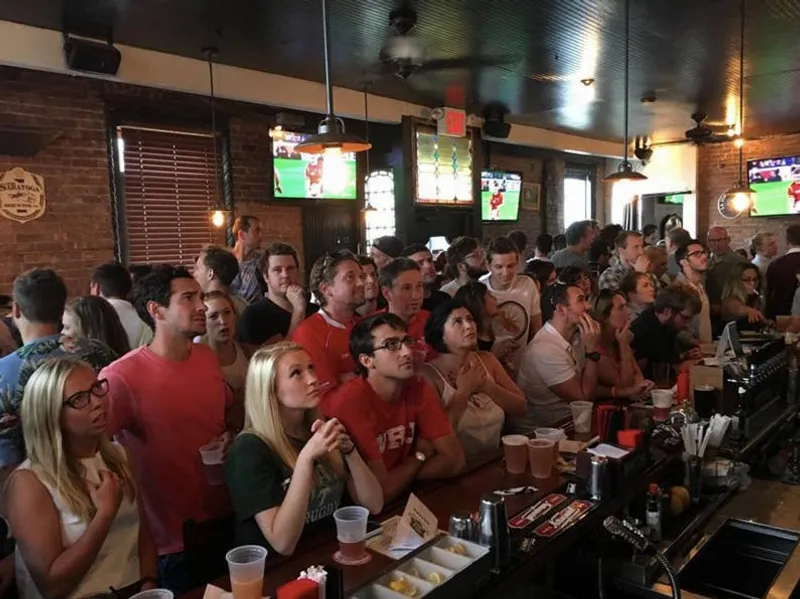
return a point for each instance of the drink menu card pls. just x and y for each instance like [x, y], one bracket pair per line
[417, 525]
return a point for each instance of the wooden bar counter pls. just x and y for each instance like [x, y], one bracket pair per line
[444, 497]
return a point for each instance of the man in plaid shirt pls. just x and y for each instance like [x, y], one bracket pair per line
[249, 284]
[630, 251]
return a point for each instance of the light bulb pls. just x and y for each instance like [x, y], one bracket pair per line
[741, 202]
[218, 218]
[738, 142]
[334, 171]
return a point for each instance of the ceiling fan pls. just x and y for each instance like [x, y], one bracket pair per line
[404, 54]
[705, 132]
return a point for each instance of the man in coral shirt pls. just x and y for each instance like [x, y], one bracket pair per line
[402, 286]
[394, 417]
[166, 400]
[337, 282]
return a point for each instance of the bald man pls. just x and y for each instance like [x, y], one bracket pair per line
[723, 260]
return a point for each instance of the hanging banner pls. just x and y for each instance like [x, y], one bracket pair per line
[21, 195]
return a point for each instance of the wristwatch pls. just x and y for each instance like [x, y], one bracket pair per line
[421, 457]
[594, 356]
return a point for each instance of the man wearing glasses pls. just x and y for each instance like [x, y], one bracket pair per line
[394, 417]
[655, 332]
[466, 263]
[693, 260]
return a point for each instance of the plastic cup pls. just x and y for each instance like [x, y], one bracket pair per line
[582, 416]
[515, 449]
[541, 455]
[351, 531]
[246, 569]
[213, 461]
[154, 594]
[554, 434]
[662, 403]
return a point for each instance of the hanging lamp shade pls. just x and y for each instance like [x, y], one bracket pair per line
[625, 170]
[331, 132]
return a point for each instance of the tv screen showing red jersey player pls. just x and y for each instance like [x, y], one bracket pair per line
[500, 195]
[776, 182]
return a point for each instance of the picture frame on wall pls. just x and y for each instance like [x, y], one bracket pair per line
[531, 193]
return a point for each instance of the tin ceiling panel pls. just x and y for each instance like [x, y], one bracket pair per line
[685, 51]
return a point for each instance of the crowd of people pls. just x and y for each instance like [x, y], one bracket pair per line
[382, 370]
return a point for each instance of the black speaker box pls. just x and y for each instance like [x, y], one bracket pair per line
[92, 57]
[497, 129]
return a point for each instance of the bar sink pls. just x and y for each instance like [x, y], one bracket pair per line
[741, 560]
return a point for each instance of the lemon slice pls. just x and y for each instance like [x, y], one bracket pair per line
[413, 572]
[435, 578]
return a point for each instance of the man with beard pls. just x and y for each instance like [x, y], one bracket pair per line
[372, 290]
[424, 259]
[693, 260]
[394, 418]
[278, 315]
[337, 281]
[519, 315]
[166, 401]
[466, 263]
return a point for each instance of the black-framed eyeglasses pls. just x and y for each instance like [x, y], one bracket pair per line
[697, 253]
[81, 399]
[395, 343]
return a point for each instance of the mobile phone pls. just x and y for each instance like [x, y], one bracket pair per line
[373, 529]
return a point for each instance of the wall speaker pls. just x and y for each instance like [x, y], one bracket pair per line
[91, 57]
[494, 121]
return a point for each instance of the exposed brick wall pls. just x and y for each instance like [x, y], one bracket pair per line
[718, 169]
[75, 234]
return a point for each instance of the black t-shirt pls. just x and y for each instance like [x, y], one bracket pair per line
[264, 319]
[653, 342]
[436, 298]
[258, 479]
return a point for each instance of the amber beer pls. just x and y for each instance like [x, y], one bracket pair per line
[246, 569]
[515, 448]
[541, 455]
[247, 590]
[353, 551]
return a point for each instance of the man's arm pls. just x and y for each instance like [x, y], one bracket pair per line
[395, 481]
[581, 388]
[448, 460]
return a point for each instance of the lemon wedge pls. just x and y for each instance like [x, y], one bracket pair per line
[435, 578]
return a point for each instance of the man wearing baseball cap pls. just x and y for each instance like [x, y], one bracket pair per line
[385, 249]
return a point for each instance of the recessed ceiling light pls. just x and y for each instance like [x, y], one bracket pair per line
[588, 81]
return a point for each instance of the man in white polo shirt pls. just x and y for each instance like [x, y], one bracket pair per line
[519, 315]
[560, 365]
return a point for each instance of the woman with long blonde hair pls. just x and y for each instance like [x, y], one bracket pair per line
[71, 505]
[741, 297]
[287, 467]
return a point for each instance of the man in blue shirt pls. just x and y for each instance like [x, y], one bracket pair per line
[39, 297]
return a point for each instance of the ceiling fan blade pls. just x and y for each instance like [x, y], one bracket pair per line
[467, 62]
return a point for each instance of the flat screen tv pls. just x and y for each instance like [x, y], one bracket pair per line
[443, 168]
[776, 182]
[500, 195]
[313, 176]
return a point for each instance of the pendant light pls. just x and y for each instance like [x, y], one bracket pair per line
[331, 138]
[218, 214]
[625, 171]
[739, 197]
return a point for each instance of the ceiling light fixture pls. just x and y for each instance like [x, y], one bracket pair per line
[588, 81]
[625, 171]
[331, 138]
[218, 214]
[739, 197]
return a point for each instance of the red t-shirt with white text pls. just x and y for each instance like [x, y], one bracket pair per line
[386, 429]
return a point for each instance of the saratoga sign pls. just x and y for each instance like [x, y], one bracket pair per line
[21, 195]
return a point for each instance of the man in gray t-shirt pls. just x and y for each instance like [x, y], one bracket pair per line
[579, 236]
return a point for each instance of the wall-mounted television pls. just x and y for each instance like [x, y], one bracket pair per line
[500, 195]
[313, 176]
[776, 182]
[443, 168]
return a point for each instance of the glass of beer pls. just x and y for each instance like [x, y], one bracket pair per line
[515, 448]
[351, 532]
[246, 569]
[542, 457]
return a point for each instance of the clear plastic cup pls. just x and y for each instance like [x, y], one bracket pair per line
[515, 449]
[554, 434]
[246, 569]
[541, 456]
[582, 416]
[154, 594]
[351, 531]
[213, 459]
[662, 403]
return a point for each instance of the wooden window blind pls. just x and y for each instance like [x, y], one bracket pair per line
[169, 188]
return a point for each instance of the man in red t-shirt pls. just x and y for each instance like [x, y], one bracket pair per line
[494, 204]
[394, 417]
[793, 191]
[337, 282]
[402, 286]
[313, 176]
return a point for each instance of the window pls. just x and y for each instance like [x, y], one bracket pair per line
[577, 197]
[443, 169]
[167, 189]
[379, 197]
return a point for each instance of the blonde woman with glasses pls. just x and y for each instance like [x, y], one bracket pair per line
[288, 467]
[71, 505]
